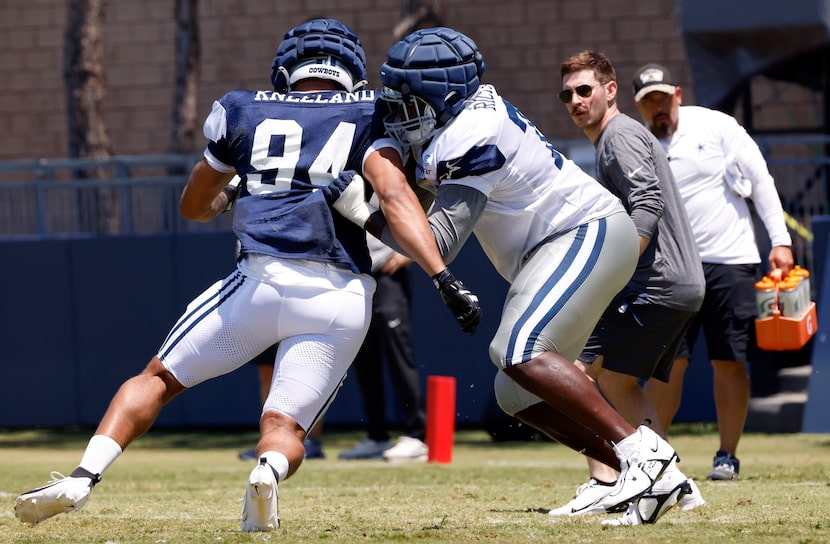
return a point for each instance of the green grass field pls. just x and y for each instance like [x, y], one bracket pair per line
[187, 488]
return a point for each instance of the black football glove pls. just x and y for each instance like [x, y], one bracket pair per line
[462, 302]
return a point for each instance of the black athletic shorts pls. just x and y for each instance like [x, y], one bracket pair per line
[640, 340]
[728, 312]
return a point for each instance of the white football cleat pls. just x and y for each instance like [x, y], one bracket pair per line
[62, 494]
[260, 509]
[644, 456]
[655, 503]
[671, 479]
[588, 495]
[691, 500]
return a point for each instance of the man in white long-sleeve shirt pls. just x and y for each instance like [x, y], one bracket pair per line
[716, 166]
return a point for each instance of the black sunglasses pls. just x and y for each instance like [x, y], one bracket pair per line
[582, 90]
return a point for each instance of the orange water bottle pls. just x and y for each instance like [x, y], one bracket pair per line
[765, 295]
[789, 297]
[804, 285]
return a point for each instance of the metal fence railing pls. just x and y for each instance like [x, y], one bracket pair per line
[140, 194]
[88, 197]
[801, 168]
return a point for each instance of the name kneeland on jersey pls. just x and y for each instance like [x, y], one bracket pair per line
[315, 97]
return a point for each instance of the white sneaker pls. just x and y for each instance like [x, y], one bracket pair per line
[644, 456]
[260, 509]
[586, 499]
[62, 494]
[367, 449]
[655, 503]
[407, 449]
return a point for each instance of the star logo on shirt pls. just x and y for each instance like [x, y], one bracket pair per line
[452, 167]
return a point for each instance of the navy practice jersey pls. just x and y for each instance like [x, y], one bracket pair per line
[284, 147]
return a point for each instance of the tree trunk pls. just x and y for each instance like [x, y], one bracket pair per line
[85, 90]
[188, 57]
[419, 14]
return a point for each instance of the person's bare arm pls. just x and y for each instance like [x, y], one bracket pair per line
[402, 210]
[406, 222]
[204, 197]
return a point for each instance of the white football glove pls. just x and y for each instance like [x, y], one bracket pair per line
[352, 202]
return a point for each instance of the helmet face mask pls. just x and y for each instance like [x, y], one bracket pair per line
[320, 49]
[410, 121]
[439, 66]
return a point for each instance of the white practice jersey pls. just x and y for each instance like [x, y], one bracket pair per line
[716, 165]
[532, 190]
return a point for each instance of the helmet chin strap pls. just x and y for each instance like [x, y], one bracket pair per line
[285, 73]
[446, 116]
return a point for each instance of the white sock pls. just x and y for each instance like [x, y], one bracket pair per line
[278, 462]
[101, 452]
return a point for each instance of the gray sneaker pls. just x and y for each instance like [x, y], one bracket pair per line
[62, 494]
[248, 455]
[367, 449]
[313, 448]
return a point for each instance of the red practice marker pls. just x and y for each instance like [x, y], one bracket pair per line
[440, 418]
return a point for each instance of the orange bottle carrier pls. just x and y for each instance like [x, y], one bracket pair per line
[786, 321]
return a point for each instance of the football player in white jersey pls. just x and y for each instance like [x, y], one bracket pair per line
[562, 241]
[303, 277]
[717, 166]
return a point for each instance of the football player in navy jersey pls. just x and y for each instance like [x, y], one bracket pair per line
[285, 161]
[563, 242]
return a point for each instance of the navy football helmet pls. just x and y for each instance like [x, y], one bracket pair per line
[320, 48]
[426, 79]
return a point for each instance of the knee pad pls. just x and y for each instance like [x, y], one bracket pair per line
[511, 397]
